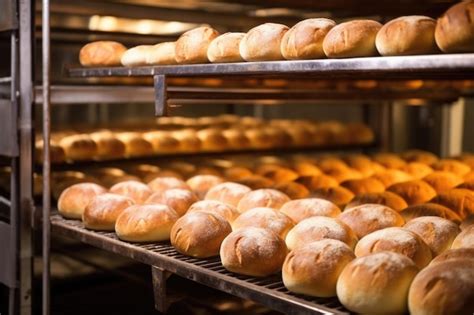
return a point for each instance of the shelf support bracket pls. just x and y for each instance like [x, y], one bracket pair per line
[160, 95]
[159, 276]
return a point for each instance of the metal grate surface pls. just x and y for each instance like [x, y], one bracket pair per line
[268, 291]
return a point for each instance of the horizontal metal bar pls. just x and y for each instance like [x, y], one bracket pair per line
[5, 80]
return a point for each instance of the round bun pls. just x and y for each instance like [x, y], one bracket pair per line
[135, 144]
[136, 56]
[293, 190]
[269, 198]
[230, 193]
[305, 39]
[454, 254]
[108, 145]
[436, 232]
[467, 222]
[318, 228]
[102, 212]
[417, 169]
[262, 43]
[453, 166]
[162, 54]
[364, 185]
[318, 181]
[212, 139]
[188, 140]
[178, 199]
[101, 54]
[79, 147]
[465, 239]
[199, 234]
[225, 48]
[407, 35]
[389, 160]
[337, 195]
[265, 218]
[253, 251]
[191, 47]
[200, 184]
[304, 168]
[395, 239]
[361, 163]
[414, 192]
[313, 269]
[161, 184]
[162, 141]
[442, 181]
[419, 156]
[237, 172]
[443, 288]
[391, 176]
[256, 182]
[146, 223]
[430, 209]
[74, 199]
[377, 283]
[227, 211]
[236, 139]
[368, 218]
[301, 209]
[455, 30]
[137, 191]
[459, 200]
[352, 39]
[385, 198]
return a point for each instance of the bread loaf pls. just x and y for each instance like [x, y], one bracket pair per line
[417, 170]
[454, 254]
[265, 218]
[256, 182]
[162, 54]
[337, 195]
[212, 139]
[262, 43]
[455, 30]
[79, 147]
[161, 184]
[135, 144]
[74, 199]
[200, 184]
[391, 176]
[442, 181]
[162, 141]
[301, 209]
[178, 199]
[459, 200]
[293, 190]
[453, 166]
[270, 198]
[413, 192]
[364, 185]
[465, 239]
[227, 211]
[225, 48]
[102, 212]
[136, 56]
[419, 156]
[192, 46]
[318, 181]
[108, 145]
[134, 190]
[230, 193]
[101, 54]
[430, 209]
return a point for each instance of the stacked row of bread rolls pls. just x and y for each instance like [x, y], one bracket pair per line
[376, 256]
[207, 134]
[309, 39]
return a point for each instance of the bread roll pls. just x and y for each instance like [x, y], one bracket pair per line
[337, 195]
[417, 170]
[237, 172]
[443, 288]
[178, 199]
[192, 46]
[162, 141]
[465, 239]
[236, 139]
[362, 164]
[146, 223]
[436, 232]
[459, 200]
[468, 184]
[468, 221]
[227, 211]
[301, 209]
[225, 48]
[161, 184]
[164, 173]
[79, 147]
[108, 145]
[385, 198]
[253, 251]
[419, 156]
[74, 199]
[212, 139]
[389, 160]
[318, 181]
[377, 283]
[345, 175]
[413, 192]
[331, 164]
[442, 181]
[270, 198]
[281, 175]
[258, 138]
[430, 209]
[102, 212]
[188, 140]
[352, 39]
[101, 54]
[200, 184]
[307, 169]
[161, 54]
[305, 39]
[184, 168]
[314, 268]
[293, 190]
[454, 254]
[453, 166]
[136, 56]
[455, 30]
[230, 193]
[135, 144]
[407, 35]
[142, 170]
[256, 182]
[134, 190]
[262, 43]
[369, 218]
[57, 154]
[390, 176]
[364, 185]
[265, 218]
[318, 228]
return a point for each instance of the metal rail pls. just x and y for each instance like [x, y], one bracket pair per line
[269, 291]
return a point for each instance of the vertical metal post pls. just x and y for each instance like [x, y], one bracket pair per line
[159, 277]
[161, 98]
[46, 159]
[452, 128]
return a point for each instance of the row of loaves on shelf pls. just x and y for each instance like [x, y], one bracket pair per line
[309, 39]
[182, 135]
[377, 256]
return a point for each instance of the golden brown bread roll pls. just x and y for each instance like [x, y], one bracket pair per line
[352, 39]
[258, 138]
[236, 139]
[390, 176]
[305, 39]
[317, 181]
[253, 251]
[162, 141]
[79, 147]
[145, 223]
[60, 180]
[304, 168]
[377, 283]
[330, 164]
[430, 209]
[74, 199]
[57, 154]
[389, 160]
[136, 56]
[337, 195]
[468, 221]
[344, 175]
[135, 144]
[137, 191]
[256, 182]
[200, 184]
[162, 54]
[442, 181]
[436, 232]
[465, 239]
[459, 200]
[163, 173]
[191, 47]
[301, 209]
[362, 164]
[265, 197]
[293, 190]
[108, 145]
[417, 170]
[318, 228]
[225, 48]
[262, 43]
[212, 139]
[455, 30]
[228, 192]
[364, 185]
[101, 54]
[443, 288]
[419, 156]
[227, 211]
[188, 140]
[468, 184]
[453, 166]
[109, 176]
[102, 212]
[385, 198]
[281, 175]
[407, 35]
[161, 184]
[454, 254]
[265, 218]
[184, 168]
[142, 170]
[237, 172]
[413, 192]
[369, 218]
[199, 234]
[313, 269]
[178, 199]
